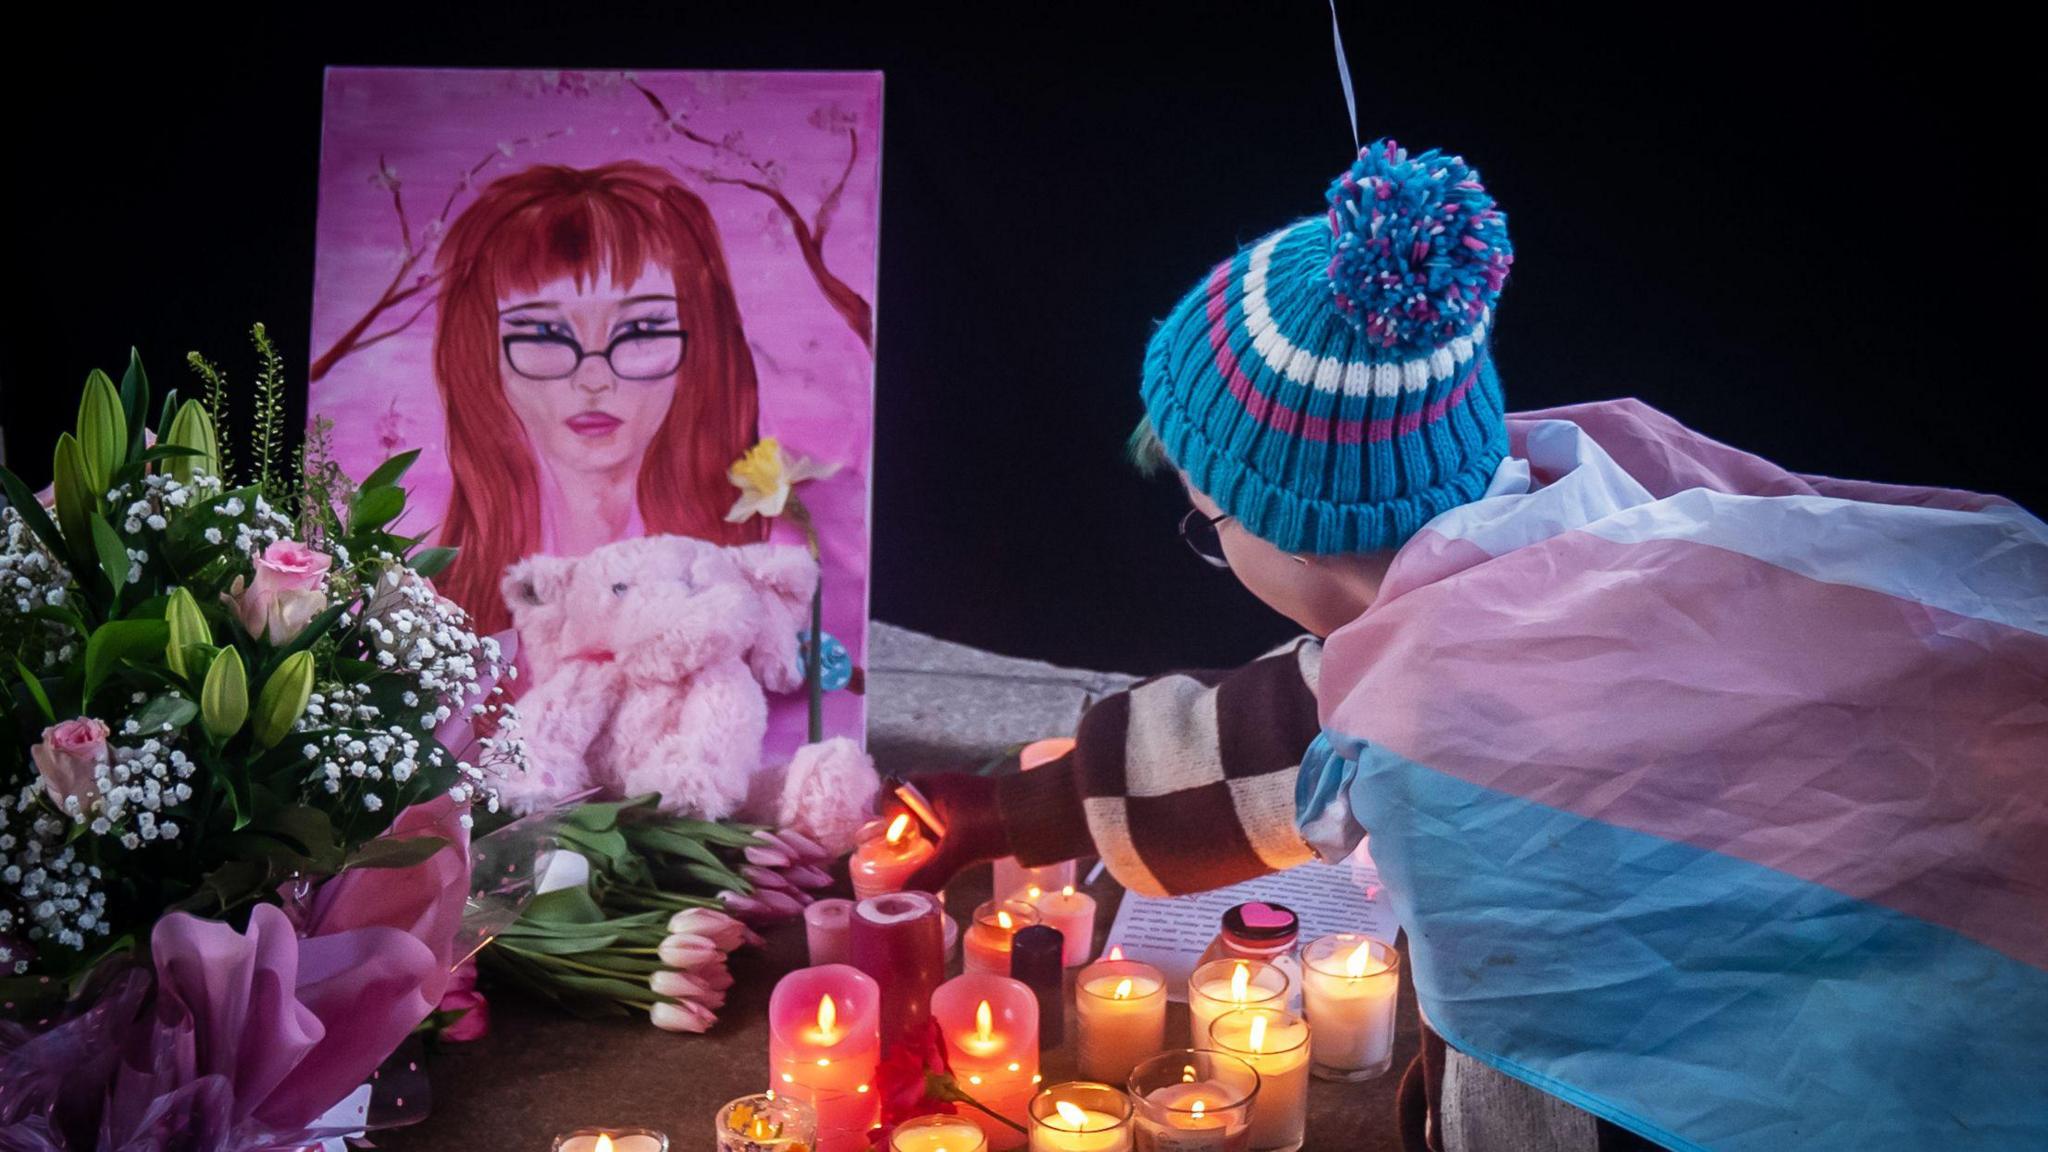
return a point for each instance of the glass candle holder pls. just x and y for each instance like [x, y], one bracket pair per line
[1224, 985]
[1275, 1042]
[1081, 1116]
[1350, 986]
[886, 853]
[1120, 1013]
[767, 1123]
[989, 937]
[621, 1140]
[938, 1134]
[1194, 1100]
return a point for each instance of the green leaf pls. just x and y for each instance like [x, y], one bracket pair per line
[307, 829]
[113, 555]
[564, 906]
[31, 512]
[373, 508]
[76, 498]
[102, 431]
[115, 641]
[227, 886]
[395, 852]
[389, 471]
[135, 400]
[176, 711]
[431, 562]
[224, 697]
[35, 689]
[58, 614]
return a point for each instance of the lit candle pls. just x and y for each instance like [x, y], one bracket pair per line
[1081, 1117]
[1193, 1101]
[1011, 876]
[1120, 1008]
[937, 1134]
[1350, 984]
[1275, 1043]
[1073, 913]
[888, 853]
[767, 1123]
[1224, 985]
[612, 1140]
[824, 1044]
[991, 1028]
[897, 939]
[825, 928]
[989, 937]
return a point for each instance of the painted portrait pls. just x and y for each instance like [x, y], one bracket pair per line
[599, 304]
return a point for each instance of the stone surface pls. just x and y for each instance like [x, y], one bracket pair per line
[935, 705]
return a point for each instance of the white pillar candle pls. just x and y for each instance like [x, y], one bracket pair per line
[1120, 1010]
[1011, 876]
[1351, 984]
[1224, 985]
[1081, 1117]
[1073, 913]
[825, 930]
[1275, 1043]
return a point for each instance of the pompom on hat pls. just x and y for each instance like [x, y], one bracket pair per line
[1330, 385]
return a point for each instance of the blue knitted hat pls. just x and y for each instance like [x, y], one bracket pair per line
[1330, 386]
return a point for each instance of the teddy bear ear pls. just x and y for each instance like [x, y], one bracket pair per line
[784, 574]
[536, 581]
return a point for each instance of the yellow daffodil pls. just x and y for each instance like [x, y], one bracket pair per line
[765, 476]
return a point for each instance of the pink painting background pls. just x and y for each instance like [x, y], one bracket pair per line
[426, 138]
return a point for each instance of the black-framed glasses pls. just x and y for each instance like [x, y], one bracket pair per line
[633, 356]
[1203, 538]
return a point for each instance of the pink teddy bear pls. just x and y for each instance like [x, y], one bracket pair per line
[650, 657]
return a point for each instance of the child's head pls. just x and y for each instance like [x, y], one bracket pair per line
[1328, 390]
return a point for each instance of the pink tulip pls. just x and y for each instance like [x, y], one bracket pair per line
[69, 758]
[462, 996]
[286, 594]
[683, 1017]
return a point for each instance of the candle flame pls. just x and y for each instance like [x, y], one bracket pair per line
[604, 1143]
[898, 828]
[1123, 989]
[762, 1128]
[1004, 922]
[1258, 1036]
[1033, 892]
[984, 1023]
[1197, 1110]
[1116, 952]
[1067, 891]
[1355, 967]
[1075, 1118]
[828, 1015]
[1241, 983]
[1187, 1074]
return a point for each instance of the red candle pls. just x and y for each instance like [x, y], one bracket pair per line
[824, 1044]
[991, 1029]
[899, 940]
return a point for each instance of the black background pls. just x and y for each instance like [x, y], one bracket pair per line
[1799, 231]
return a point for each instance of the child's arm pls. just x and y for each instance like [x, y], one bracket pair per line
[1183, 783]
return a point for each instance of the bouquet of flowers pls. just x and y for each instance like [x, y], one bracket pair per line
[239, 741]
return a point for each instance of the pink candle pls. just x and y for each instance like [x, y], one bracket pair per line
[889, 852]
[825, 927]
[989, 937]
[1073, 913]
[991, 1029]
[824, 1044]
[899, 940]
[1011, 876]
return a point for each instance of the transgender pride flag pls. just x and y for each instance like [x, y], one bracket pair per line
[1714, 798]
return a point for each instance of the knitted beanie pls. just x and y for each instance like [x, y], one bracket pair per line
[1330, 386]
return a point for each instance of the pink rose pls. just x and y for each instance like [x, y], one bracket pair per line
[462, 996]
[286, 594]
[68, 758]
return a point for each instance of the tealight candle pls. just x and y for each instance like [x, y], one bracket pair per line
[767, 1123]
[888, 852]
[1120, 1008]
[1081, 1117]
[937, 1134]
[1073, 913]
[824, 1044]
[1193, 1101]
[1223, 985]
[1275, 1042]
[825, 930]
[612, 1140]
[989, 938]
[1350, 984]
[991, 1028]
[1011, 876]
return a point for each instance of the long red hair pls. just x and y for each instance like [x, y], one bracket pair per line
[547, 222]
